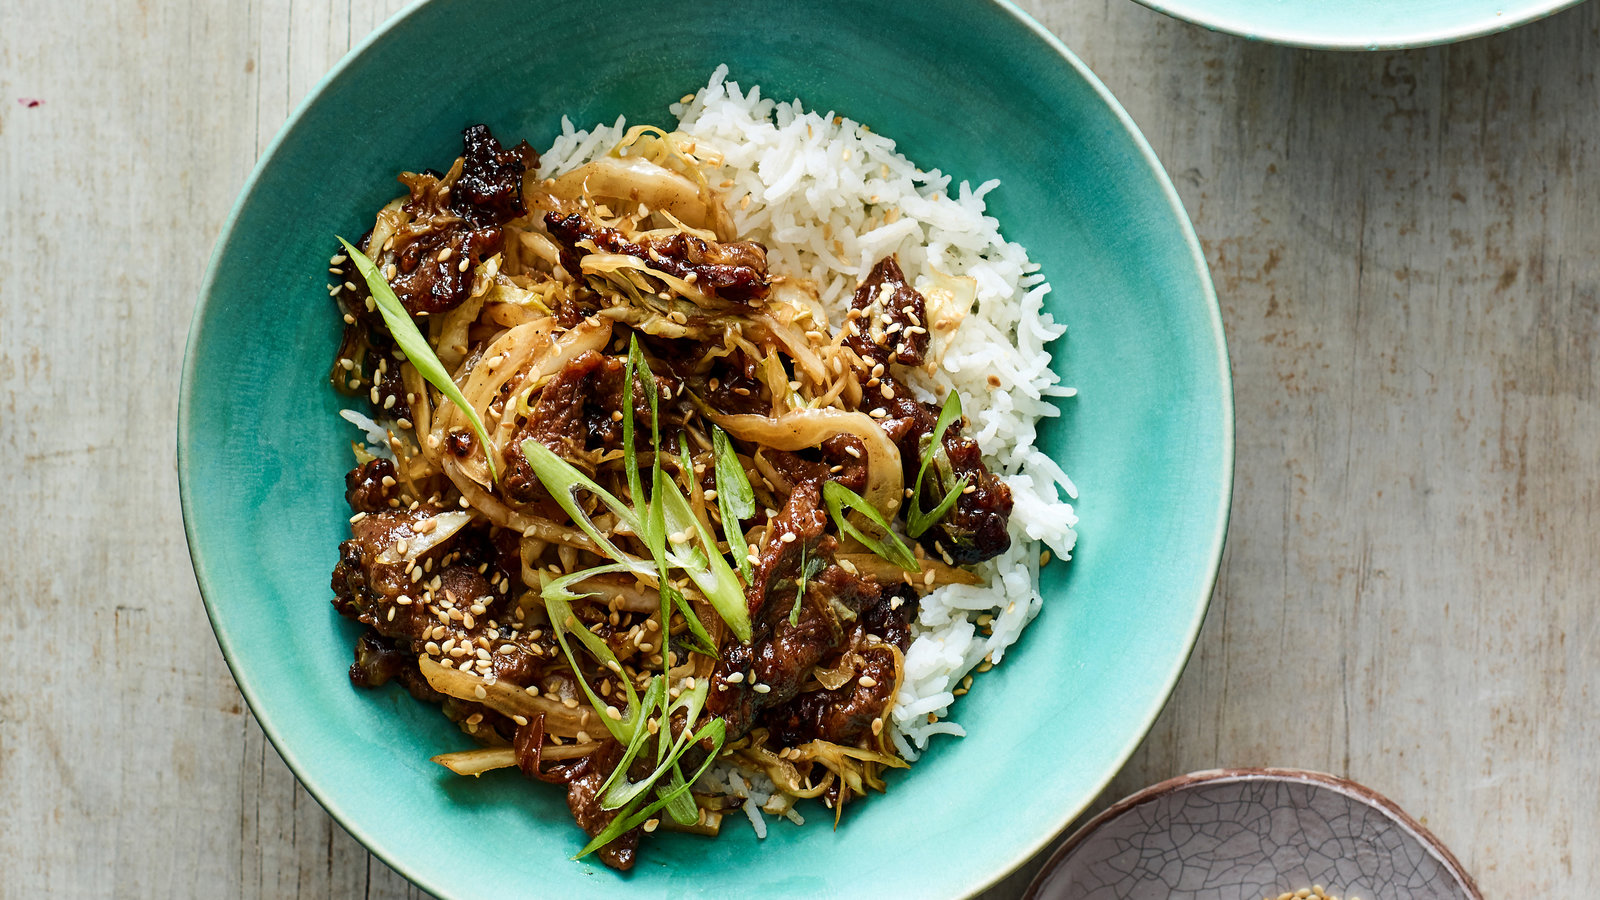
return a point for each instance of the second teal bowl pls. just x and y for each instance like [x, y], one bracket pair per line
[1360, 24]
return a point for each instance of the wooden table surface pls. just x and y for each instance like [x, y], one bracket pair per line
[1407, 250]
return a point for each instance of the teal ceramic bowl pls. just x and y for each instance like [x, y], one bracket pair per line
[1360, 24]
[976, 89]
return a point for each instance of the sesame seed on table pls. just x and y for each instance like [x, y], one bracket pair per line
[1407, 252]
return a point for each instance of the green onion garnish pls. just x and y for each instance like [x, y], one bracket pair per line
[558, 605]
[918, 521]
[735, 498]
[653, 527]
[809, 567]
[716, 731]
[562, 479]
[415, 346]
[841, 499]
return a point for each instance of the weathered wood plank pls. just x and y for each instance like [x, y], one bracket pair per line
[1408, 255]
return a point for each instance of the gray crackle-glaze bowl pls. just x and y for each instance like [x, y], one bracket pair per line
[974, 88]
[1245, 834]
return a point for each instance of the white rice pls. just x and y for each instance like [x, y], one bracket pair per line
[818, 189]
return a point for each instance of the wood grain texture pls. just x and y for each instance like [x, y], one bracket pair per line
[1407, 248]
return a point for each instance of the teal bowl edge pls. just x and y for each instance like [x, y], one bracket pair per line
[1255, 22]
[1214, 542]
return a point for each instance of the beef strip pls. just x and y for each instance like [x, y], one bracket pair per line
[889, 618]
[844, 715]
[583, 799]
[975, 527]
[369, 582]
[449, 224]
[780, 654]
[369, 487]
[837, 463]
[489, 189]
[735, 271]
[888, 319]
[573, 416]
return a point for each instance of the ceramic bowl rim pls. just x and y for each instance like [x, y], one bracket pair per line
[1289, 37]
[1345, 786]
[1049, 829]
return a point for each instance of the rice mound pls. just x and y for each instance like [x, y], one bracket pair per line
[819, 191]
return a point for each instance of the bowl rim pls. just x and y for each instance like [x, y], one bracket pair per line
[1312, 777]
[1002, 868]
[1289, 37]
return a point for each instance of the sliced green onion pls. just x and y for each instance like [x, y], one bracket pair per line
[809, 567]
[709, 570]
[735, 498]
[653, 529]
[625, 792]
[918, 521]
[841, 499]
[652, 696]
[716, 731]
[415, 346]
[558, 606]
[562, 479]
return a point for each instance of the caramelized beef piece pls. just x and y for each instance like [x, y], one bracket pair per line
[429, 278]
[836, 464]
[376, 661]
[888, 318]
[780, 654]
[371, 579]
[735, 271]
[364, 487]
[379, 661]
[889, 618]
[454, 227]
[727, 384]
[573, 414]
[975, 527]
[489, 189]
[583, 789]
[843, 716]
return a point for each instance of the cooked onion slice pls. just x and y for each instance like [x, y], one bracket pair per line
[509, 699]
[806, 428]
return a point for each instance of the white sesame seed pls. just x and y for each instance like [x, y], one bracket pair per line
[479, 692]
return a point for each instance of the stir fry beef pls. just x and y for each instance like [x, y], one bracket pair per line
[489, 190]
[975, 527]
[449, 605]
[726, 383]
[837, 463]
[456, 226]
[735, 271]
[577, 412]
[770, 669]
[845, 714]
[583, 799]
[889, 618]
[369, 487]
[888, 319]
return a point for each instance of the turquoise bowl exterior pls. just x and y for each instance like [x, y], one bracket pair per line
[1360, 24]
[976, 89]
